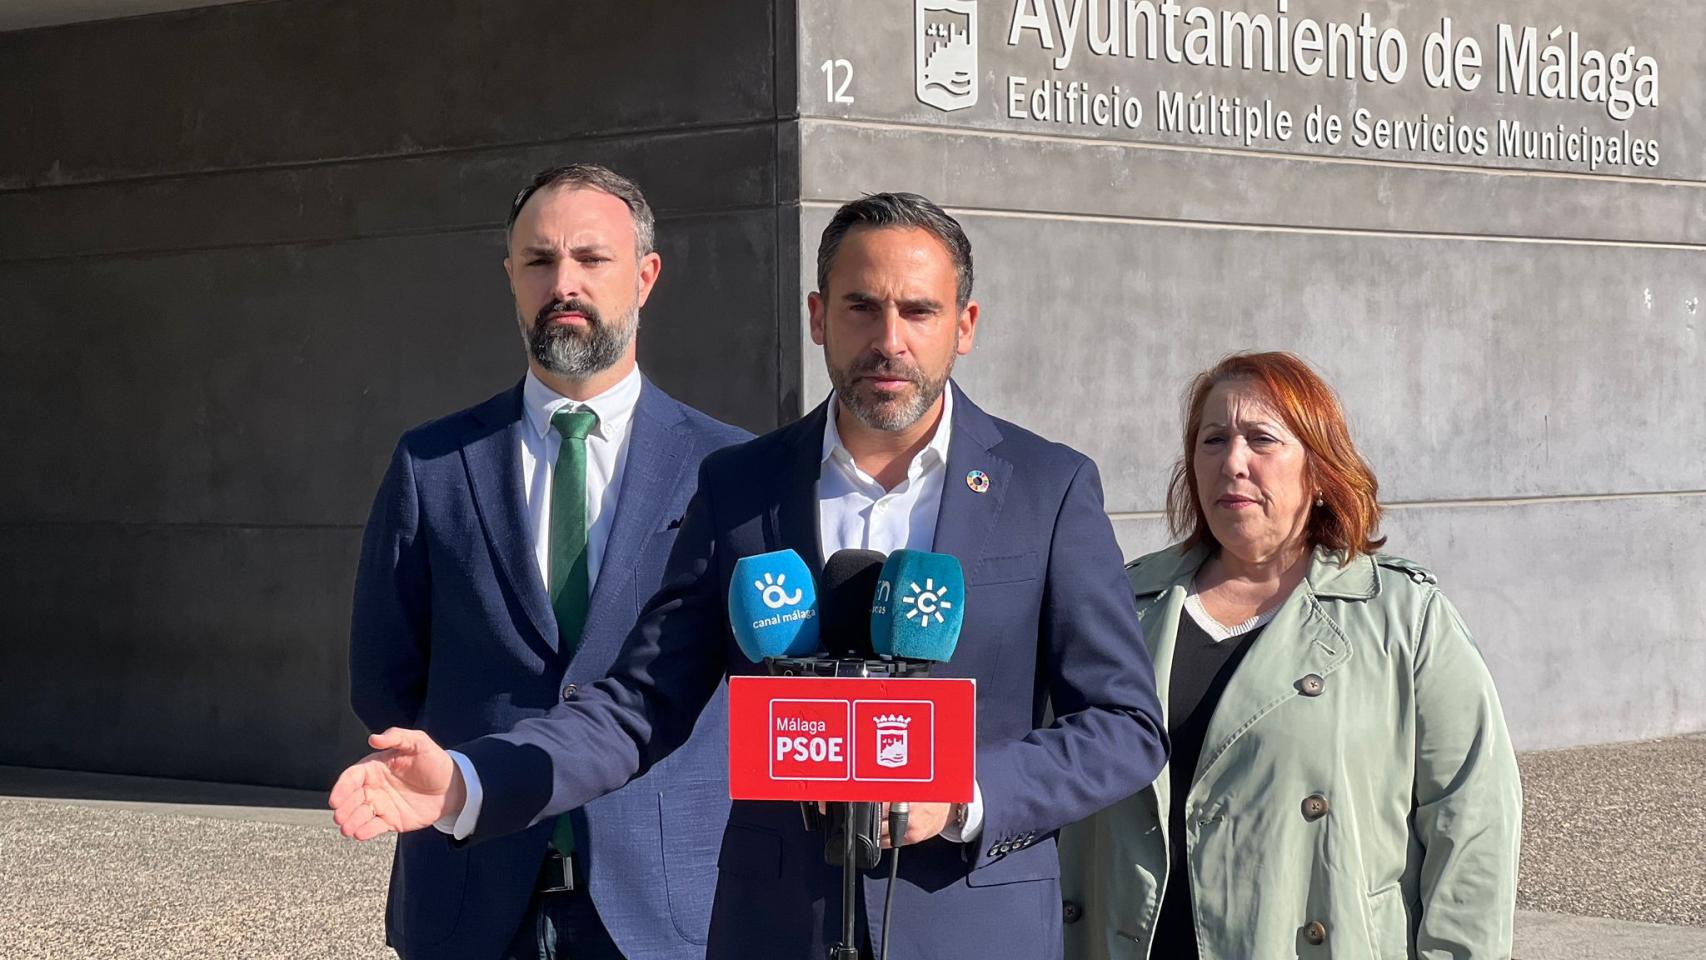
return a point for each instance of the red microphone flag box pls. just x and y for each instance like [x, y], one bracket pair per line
[852, 739]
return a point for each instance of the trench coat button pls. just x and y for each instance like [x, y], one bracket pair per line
[1314, 807]
[1070, 912]
[1315, 932]
[1311, 685]
[569, 692]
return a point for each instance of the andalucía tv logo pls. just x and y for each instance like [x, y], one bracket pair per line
[945, 53]
[926, 602]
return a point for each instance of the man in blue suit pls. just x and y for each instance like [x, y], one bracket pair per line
[897, 457]
[509, 551]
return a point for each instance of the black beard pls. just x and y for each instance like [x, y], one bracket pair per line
[574, 353]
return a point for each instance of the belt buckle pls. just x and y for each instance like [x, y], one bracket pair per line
[557, 874]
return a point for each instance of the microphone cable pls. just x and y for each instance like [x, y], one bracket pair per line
[897, 832]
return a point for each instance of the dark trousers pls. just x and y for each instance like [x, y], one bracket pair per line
[562, 926]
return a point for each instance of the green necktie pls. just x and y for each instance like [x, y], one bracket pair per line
[568, 563]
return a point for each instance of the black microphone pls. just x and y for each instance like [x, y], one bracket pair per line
[844, 603]
[849, 582]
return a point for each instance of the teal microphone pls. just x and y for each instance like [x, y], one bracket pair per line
[919, 606]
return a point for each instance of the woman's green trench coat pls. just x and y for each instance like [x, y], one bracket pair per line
[1357, 794]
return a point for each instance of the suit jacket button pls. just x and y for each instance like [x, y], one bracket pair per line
[569, 692]
[1315, 932]
[1311, 685]
[1070, 912]
[995, 851]
[1314, 807]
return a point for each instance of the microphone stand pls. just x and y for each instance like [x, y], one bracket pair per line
[847, 948]
[827, 666]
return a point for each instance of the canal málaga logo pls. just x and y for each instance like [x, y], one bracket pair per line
[945, 52]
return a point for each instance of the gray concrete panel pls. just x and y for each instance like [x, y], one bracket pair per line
[1106, 178]
[306, 80]
[711, 334]
[1469, 369]
[876, 53]
[1588, 612]
[181, 651]
[1585, 610]
[268, 385]
[340, 200]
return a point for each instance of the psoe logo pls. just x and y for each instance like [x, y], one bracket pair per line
[945, 53]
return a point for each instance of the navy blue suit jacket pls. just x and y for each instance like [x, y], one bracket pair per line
[1049, 623]
[453, 634]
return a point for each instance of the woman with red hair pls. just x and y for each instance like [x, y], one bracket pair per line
[1341, 783]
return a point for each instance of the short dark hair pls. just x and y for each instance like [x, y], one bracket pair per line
[879, 210]
[582, 175]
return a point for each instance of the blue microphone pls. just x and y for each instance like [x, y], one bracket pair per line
[773, 606]
[918, 607]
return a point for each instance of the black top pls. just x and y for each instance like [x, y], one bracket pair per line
[1202, 668]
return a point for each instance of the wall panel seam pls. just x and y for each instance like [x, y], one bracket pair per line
[329, 240]
[682, 130]
[1456, 168]
[1065, 217]
[181, 525]
[1401, 505]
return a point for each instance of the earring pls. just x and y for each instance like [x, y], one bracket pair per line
[1320, 501]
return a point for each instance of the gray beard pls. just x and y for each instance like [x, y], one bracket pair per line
[893, 416]
[569, 353]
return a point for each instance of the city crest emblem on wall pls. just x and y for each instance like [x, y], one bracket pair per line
[945, 52]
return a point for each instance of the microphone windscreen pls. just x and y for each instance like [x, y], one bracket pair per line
[919, 606]
[849, 580]
[773, 607]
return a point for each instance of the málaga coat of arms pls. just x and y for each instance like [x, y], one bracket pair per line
[945, 52]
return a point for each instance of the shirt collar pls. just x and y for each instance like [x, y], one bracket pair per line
[614, 407]
[935, 452]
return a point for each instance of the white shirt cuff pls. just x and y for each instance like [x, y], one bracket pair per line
[460, 825]
[974, 819]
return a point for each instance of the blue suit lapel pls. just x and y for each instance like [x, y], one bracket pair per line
[793, 519]
[492, 458]
[655, 468]
[966, 517]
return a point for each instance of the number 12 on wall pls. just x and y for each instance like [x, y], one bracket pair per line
[834, 70]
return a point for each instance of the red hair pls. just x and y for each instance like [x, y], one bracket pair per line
[1350, 518]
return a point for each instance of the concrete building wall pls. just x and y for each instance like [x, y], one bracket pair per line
[1520, 342]
[241, 250]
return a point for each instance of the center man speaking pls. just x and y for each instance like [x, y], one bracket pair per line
[897, 457]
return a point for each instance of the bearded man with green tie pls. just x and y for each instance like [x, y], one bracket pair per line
[510, 548]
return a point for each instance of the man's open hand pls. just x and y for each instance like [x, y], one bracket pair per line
[407, 784]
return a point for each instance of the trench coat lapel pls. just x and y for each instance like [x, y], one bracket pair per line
[1300, 642]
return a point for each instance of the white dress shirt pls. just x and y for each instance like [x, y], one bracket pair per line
[606, 458]
[854, 511]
